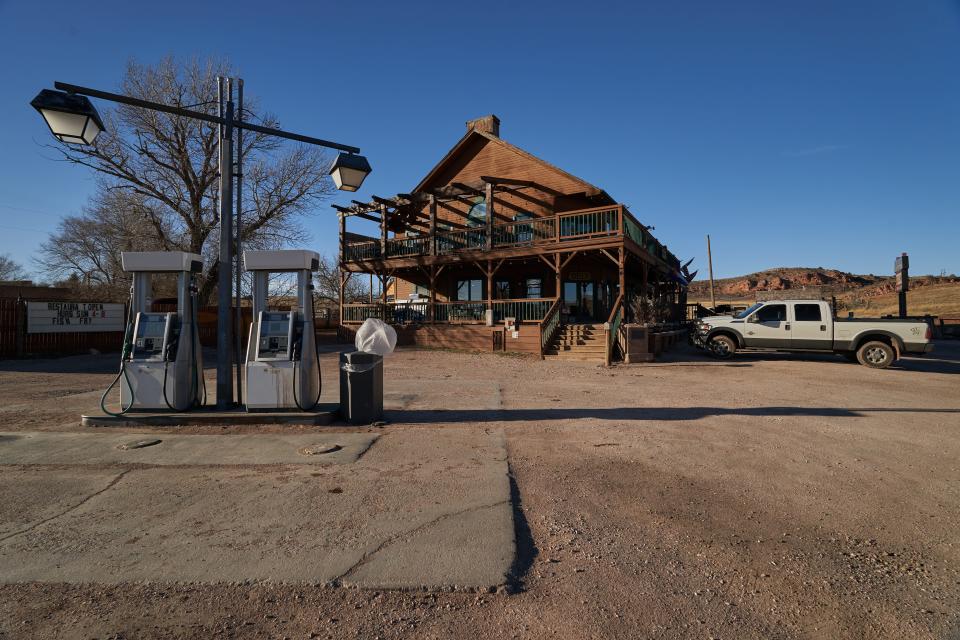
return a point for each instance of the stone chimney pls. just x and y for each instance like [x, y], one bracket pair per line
[487, 124]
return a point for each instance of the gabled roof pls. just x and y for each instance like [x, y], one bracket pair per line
[470, 135]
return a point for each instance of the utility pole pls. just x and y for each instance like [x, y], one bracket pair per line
[224, 284]
[238, 295]
[713, 295]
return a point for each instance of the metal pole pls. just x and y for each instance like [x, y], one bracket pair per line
[199, 115]
[240, 357]
[713, 296]
[224, 342]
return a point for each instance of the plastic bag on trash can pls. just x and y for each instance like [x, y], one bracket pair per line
[376, 336]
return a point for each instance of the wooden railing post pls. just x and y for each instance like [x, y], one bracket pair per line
[489, 242]
[433, 225]
[383, 231]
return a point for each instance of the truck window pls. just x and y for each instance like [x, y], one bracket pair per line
[772, 313]
[807, 312]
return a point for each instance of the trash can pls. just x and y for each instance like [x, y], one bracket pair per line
[361, 387]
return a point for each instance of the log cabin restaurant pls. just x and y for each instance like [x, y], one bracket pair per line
[496, 249]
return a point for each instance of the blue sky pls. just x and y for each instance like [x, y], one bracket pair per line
[816, 133]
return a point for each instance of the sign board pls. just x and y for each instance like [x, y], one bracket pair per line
[902, 263]
[72, 317]
[901, 266]
[579, 276]
[903, 282]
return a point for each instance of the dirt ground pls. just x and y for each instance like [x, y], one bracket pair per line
[764, 497]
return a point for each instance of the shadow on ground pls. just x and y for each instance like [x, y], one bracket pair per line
[945, 358]
[635, 413]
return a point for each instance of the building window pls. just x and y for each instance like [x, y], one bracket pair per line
[469, 289]
[477, 216]
[534, 287]
[421, 291]
[501, 289]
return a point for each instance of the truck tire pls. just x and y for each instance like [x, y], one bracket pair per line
[722, 346]
[875, 354]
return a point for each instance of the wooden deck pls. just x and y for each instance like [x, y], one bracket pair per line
[597, 228]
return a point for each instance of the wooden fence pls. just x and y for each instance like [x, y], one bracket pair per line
[15, 342]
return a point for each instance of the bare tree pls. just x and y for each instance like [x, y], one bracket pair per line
[162, 170]
[10, 269]
[328, 283]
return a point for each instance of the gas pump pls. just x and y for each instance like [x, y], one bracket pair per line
[283, 364]
[161, 365]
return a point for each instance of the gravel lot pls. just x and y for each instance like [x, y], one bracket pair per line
[765, 497]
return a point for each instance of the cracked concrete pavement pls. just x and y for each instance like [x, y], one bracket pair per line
[424, 510]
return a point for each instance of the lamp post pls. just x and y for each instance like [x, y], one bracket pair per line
[73, 119]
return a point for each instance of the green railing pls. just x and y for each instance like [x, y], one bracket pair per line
[524, 310]
[634, 230]
[612, 330]
[412, 246]
[549, 325]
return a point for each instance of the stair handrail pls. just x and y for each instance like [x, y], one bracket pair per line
[549, 325]
[612, 327]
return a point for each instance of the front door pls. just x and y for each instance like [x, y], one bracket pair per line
[808, 327]
[580, 301]
[769, 327]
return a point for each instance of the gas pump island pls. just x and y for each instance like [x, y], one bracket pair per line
[161, 365]
[282, 365]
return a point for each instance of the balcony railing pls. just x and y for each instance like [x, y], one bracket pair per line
[456, 312]
[570, 226]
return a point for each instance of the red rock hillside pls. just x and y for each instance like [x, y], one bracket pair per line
[829, 280]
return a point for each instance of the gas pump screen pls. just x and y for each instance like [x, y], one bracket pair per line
[274, 342]
[151, 329]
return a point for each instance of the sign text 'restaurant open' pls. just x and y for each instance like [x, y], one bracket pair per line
[71, 317]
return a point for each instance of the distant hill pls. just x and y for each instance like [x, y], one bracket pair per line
[854, 289]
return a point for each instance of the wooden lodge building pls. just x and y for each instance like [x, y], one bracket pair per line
[493, 233]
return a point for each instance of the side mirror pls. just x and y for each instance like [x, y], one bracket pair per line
[752, 319]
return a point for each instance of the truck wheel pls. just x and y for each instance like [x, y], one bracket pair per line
[875, 354]
[722, 346]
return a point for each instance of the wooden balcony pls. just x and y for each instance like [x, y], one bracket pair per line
[457, 312]
[600, 227]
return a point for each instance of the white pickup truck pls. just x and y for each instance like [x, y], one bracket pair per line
[809, 325]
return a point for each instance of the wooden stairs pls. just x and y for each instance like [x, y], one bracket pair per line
[586, 342]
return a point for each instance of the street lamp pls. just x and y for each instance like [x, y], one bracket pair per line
[72, 118]
[349, 171]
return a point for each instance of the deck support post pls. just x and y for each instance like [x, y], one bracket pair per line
[432, 314]
[340, 293]
[489, 282]
[489, 216]
[383, 231]
[621, 272]
[383, 296]
[433, 225]
[556, 271]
